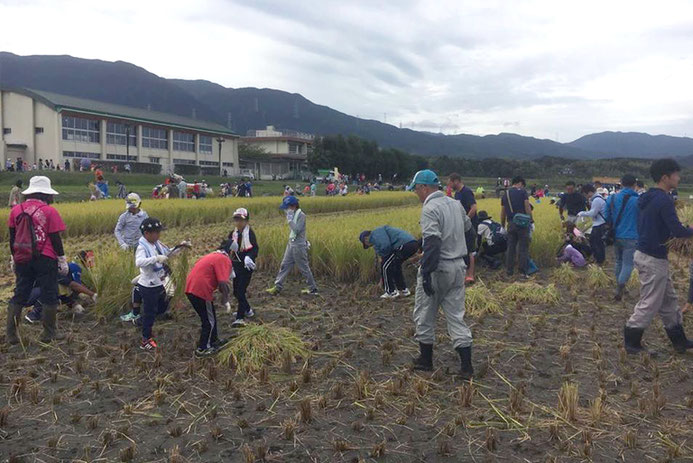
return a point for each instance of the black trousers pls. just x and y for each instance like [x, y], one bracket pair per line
[240, 286]
[208, 317]
[154, 302]
[597, 244]
[41, 272]
[391, 268]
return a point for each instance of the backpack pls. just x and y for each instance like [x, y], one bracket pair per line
[497, 238]
[25, 249]
[521, 220]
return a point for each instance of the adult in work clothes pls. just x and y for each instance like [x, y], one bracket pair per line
[440, 281]
[465, 195]
[394, 246]
[516, 201]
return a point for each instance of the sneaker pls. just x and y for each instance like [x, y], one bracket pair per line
[249, 314]
[273, 291]
[148, 345]
[78, 309]
[393, 295]
[32, 317]
[240, 323]
[129, 317]
[202, 353]
[311, 292]
[405, 292]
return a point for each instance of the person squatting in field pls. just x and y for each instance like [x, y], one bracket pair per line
[441, 277]
[296, 253]
[210, 273]
[243, 256]
[37, 256]
[657, 224]
[394, 246]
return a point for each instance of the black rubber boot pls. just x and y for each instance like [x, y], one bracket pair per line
[620, 290]
[49, 330]
[678, 339]
[466, 369]
[14, 315]
[632, 338]
[424, 362]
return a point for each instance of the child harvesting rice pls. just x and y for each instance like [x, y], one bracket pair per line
[243, 256]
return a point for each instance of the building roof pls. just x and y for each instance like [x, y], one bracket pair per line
[282, 138]
[99, 108]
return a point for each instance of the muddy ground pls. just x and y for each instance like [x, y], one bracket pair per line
[96, 397]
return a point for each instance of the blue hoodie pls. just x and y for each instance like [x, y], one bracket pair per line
[658, 223]
[627, 228]
[387, 239]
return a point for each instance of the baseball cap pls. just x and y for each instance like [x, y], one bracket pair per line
[289, 201]
[424, 177]
[242, 213]
[362, 237]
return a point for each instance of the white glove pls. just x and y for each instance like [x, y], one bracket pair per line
[12, 264]
[249, 264]
[124, 247]
[62, 265]
[161, 258]
[234, 247]
[308, 245]
[185, 244]
[233, 274]
[227, 306]
[289, 215]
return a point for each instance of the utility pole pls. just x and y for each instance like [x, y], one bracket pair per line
[220, 140]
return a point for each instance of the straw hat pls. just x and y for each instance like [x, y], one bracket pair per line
[39, 184]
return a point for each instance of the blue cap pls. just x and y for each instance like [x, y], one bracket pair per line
[362, 237]
[424, 177]
[289, 201]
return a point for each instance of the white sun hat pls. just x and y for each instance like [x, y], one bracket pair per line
[39, 184]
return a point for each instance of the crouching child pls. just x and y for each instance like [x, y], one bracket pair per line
[211, 272]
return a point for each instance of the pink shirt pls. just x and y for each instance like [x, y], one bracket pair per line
[46, 221]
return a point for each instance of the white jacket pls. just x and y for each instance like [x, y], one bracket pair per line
[152, 273]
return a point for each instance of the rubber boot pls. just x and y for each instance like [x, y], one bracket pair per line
[678, 339]
[466, 369]
[425, 360]
[49, 329]
[14, 314]
[632, 338]
[620, 289]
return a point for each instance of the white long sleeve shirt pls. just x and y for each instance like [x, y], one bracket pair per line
[596, 212]
[127, 230]
[152, 273]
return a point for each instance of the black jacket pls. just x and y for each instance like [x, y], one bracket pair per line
[239, 257]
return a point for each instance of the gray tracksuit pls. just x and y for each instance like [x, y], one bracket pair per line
[445, 219]
[296, 251]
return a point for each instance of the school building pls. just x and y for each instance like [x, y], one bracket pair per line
[38, 125]
[287, 153]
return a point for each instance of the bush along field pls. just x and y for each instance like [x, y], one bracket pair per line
[327, 378]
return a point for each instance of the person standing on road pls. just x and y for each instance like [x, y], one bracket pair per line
[440, 280]
[465, 195]
[127, 229]
[37, 258]
[244, 255]
[296, 253]
[622, 214]
[597, 214]
[394, 246]
[571, 201]
[516, 212]
[657, 224]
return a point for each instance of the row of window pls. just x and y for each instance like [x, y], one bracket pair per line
[8, 130]
[117, 133]
[78, 154]
[183, 161]
[209, 163]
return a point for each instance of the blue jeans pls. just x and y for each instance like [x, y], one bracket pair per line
[624, 251]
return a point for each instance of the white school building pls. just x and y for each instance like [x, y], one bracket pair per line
[38, 125]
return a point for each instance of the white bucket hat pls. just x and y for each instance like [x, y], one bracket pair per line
[39, 184]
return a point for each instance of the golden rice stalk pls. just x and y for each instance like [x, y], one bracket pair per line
[597, 277]
[565, 275]
[531, 293]
[681, 246]
[568, 401]
[634, 281]
[260, 345]
[479, 301]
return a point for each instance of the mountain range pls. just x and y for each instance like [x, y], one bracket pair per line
[246, 109]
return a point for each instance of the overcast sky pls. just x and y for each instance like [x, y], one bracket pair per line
[549, 69]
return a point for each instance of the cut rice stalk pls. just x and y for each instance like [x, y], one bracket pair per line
[531, 293]
[479, 301]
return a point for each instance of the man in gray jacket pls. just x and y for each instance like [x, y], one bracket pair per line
[440, 281]
[296, 250]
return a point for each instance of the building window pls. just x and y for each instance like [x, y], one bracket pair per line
[38, 130]
[209, 163]
[227, 164]
[154, 160]
[206, 145]
[294, 148]
[80, 155]
[117, 157]
[154, 138]
[81, 129]
[6, 131]
[183, 141]
[183, 161]
[117, 134]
